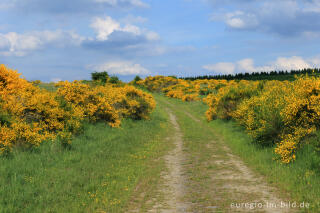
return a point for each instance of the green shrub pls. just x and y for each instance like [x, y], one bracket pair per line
[100, 76]
[114, 80]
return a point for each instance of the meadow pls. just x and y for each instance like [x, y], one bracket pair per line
[100, 145]
[97, 166]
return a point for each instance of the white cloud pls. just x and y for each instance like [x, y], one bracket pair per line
[292, 63]
[120, 68]
[221, 68]
[236, 23]
[237, 20]
[129, 28]
[247, 65]
[14, 44]
[281, 63]
[104, 27]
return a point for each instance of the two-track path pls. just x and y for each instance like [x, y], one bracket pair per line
[174, 187]
[203, 175]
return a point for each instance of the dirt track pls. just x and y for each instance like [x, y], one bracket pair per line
[230, 186]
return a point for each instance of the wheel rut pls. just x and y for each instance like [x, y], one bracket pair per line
[173, 188]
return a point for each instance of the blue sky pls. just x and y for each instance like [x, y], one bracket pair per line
[67, 40]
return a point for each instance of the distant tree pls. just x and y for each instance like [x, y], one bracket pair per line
[114, 80]
[137, 78]
[100, 76]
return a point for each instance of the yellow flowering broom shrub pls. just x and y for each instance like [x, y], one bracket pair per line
[206, 87]
[127, 101]
[301, 116]
[284, 113]
[30, 115]
[190, 97]
[224, 103]
[157, 83]
[260, 114]
[90, 102]
[134, 103]
[35, 114]
[185, 90]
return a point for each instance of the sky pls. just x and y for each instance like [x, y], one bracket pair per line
[67, 40]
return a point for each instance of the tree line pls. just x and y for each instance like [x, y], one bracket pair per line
[273, 75]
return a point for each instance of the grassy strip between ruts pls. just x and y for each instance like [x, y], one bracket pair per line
[100, 173]
[300, 179]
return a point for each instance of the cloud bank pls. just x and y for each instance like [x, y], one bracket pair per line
[247, 65]
[104, 27]
[15, 44]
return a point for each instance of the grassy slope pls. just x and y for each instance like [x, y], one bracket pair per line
[99, 174]
[300, 180]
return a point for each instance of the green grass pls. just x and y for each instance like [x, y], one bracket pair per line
[100, 173]
[298, 181]
[111, 170]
